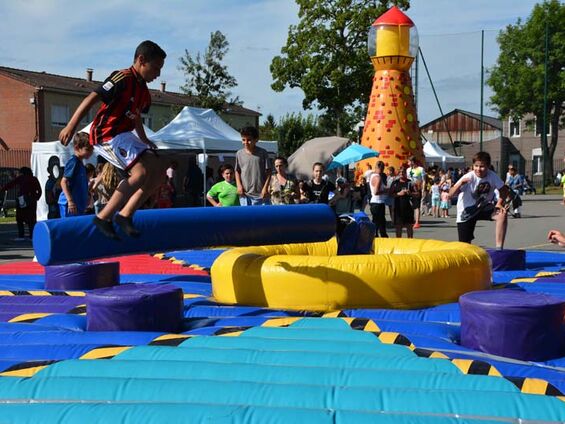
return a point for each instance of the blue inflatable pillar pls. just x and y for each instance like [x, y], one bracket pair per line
[75, 239]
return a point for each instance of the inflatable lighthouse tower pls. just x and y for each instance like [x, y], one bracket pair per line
[391, 125]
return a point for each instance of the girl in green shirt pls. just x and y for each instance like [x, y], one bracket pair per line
[224, 193]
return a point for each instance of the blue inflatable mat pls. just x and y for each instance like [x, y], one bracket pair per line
[202, 258]
[448, 313]
[44, 352]
[543, 260]
[161, 412]
[121, 338]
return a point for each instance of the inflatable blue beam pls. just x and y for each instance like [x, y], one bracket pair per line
[65, 240]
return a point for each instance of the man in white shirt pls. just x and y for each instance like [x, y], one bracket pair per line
[481, 194]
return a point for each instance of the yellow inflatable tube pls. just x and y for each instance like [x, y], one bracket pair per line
[401, 274]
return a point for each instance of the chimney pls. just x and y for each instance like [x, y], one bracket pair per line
[163, 86]
[89, 72]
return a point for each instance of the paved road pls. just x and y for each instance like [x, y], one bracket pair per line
[540, 213]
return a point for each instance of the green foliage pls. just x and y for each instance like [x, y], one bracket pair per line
[268, 130]
[326, 55]
[518, 77]
[206, 78]
[294, 129]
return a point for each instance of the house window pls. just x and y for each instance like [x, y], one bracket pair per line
[537, 168]
[539, 125]
[59, 115]
[514, 127]
[88, 118]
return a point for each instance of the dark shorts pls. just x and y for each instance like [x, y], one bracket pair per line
[466, 230]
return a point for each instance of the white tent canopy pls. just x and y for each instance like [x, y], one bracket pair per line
[148, 131]
[435, 154]
[204, 131]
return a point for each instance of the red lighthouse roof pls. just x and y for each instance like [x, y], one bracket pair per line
[393, 16]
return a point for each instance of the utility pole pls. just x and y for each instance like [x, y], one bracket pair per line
[544, 130]
[482, 86]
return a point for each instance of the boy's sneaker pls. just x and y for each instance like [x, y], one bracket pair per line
[106, 228]
[126, 224]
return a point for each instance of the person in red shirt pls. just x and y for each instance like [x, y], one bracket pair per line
[125, 96]
[29, 192]
[165, 194]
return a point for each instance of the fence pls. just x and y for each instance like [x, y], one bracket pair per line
[15, 158]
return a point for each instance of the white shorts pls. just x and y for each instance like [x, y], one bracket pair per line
[122, 151]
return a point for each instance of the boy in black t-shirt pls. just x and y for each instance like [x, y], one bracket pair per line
[319, 187]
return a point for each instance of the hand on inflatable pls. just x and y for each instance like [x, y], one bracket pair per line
[151, 145]
[218, 204]
[556, 237]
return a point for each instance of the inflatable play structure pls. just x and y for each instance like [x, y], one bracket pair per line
[349, 365]
[287, 324]
[391, 124]
[400, 274]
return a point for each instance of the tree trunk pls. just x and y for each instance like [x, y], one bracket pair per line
[554, 125]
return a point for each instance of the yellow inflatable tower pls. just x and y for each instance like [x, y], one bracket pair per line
[391, 125]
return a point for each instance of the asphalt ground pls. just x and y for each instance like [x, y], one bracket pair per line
[540, 213]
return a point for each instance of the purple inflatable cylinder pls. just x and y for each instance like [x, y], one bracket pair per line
[82, 276]
[135, 307]
[507, 260]
[513, 324]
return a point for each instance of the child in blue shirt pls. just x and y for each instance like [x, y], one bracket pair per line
[73, 200]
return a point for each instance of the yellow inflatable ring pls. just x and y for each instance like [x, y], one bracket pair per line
[401, 274]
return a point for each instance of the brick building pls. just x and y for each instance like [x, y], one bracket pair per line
[35, 106]
[507, 141]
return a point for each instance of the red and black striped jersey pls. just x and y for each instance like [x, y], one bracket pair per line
[125, 96]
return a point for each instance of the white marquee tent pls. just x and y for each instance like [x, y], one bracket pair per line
[435, 155]
[202, 131]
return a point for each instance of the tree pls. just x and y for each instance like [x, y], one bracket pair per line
[517, 79]
[206, 78]
[326, 55]
[294, 129]
[268, 130]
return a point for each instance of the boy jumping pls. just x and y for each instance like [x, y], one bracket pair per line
[477, 200]
[125, 96]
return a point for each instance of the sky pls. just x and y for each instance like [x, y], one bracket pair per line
[65, 37]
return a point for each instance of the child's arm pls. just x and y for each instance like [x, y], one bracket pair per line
[141, 133]
[66, 133]
[72, 207]
[240, 189]
[265, 191]
[454, 190]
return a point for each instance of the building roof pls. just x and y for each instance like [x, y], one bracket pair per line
[74, 85]
[488, 120]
